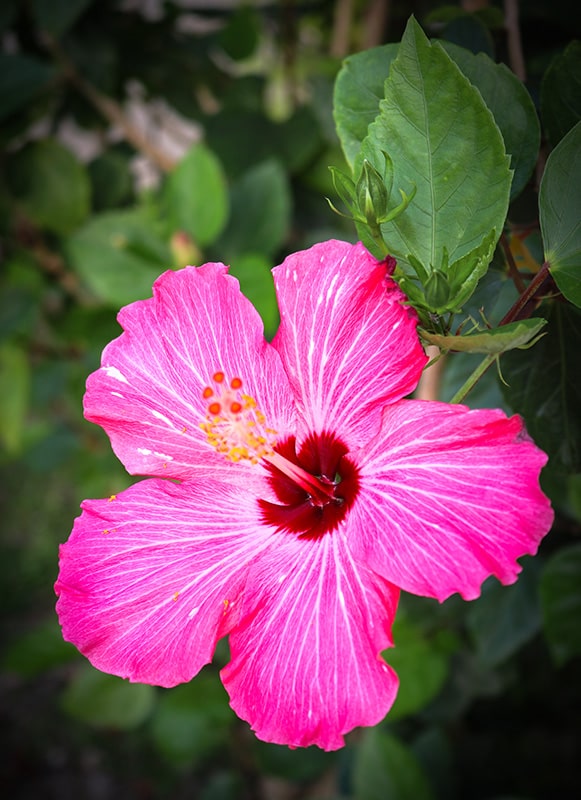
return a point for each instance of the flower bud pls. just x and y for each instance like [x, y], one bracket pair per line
[371, 194]
[184, 249]
[437, 290]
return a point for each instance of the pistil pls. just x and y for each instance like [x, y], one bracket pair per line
[236, 427]
[320, 489]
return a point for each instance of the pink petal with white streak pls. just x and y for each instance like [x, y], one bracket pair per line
[347, 341]
[305, 663]
[148, 393]
[448, 497]
[151, 579]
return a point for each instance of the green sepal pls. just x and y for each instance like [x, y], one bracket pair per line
[454, 283]
[422, 273]
[413, 292]
[405, 201]
[345, 188]
[380, 160]
[465, 273]
[437, 290]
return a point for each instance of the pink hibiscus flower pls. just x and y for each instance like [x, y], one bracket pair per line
[294, 492]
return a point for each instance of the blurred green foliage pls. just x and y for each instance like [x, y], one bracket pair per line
[237, 156]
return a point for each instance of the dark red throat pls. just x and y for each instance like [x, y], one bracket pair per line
[318, 498]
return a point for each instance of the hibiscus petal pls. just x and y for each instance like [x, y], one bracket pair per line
[305, 663]
[449, 496]
[147, 394]
[348, 343]
[150, 579]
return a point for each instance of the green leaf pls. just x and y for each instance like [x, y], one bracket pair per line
[111, 180]
[544, 385]
[299, 140]
[14, 398]
[255, 276]
[39, 650]
[260, 204]
[504, 618]
[360, 85]
[21, 294]
[442, 139]
[51, 185]
[560, 214]
[195, 196]
[421, 665]
[507, 337]
[511, 106]
[302, 765]
[57, 16]
[192, 721]
[561, 93]
[385, 769]
[442, 15]
[242, 139]
[240, 35]
[467, 31]
[561, 603]
[105, 701]
[358, 92]
[21, 79]
[433, 748]
[118, 256]
[227, 785]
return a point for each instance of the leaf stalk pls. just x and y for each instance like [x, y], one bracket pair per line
[521, 309]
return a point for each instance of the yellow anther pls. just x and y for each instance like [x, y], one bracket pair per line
[234, 425]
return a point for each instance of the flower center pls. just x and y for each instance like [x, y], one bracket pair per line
[316, 486]
[311, 509]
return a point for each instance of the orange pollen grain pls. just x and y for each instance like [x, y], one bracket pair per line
[218, 377]
[236, 383]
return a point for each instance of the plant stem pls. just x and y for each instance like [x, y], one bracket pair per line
[109, 108]
[377, 236]
[525, 303]
[515, 49]
[522, 309]
[473, 379]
